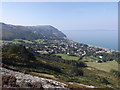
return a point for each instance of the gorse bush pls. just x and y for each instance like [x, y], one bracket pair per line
[116, 73]
[18, 54]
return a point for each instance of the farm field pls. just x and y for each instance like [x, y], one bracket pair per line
[20, 41]
[17, 41]
[67, 57]
[106, 66]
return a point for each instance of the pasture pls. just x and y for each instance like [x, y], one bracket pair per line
[67, 57]
[106, 66]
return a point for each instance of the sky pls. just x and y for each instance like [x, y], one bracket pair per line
[63, 15]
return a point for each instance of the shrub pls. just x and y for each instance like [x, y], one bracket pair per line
[104, 81]
[116, 73]
[81, 64]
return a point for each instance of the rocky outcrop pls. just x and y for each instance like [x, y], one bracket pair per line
[29, 81]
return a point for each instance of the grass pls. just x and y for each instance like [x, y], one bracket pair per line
[92, 76]
[43, 75]
[67, 57]
[17, 41]
[90, 58]
[106, 66]
[43, 52]
[13, 42]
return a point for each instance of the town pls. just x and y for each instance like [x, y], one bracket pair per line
[64, 46]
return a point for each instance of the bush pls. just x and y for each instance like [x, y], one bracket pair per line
[81, 64]
[104, 81]
[13, 54]
[116, 73]
[77, 72]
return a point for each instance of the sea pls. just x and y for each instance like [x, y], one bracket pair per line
[102, 38]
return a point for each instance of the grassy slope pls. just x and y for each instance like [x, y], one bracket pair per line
[67, 57]
[18, 41]
[106, 66]
[90, 58]
[90, 76]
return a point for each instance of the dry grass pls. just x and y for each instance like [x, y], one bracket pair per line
[106, 66]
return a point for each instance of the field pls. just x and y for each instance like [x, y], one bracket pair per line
[90, 58]
[20, 41]
[13, 42]
[17, 41]
[106, 66]
[67, 57]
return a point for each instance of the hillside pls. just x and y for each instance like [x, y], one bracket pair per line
[46, 52]
[26, 60]
[10, 32]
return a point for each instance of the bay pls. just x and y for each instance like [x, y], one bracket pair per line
[103, 38]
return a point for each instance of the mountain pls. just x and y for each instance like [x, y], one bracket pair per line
[10, 32]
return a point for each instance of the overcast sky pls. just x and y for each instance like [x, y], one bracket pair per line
[63, 15]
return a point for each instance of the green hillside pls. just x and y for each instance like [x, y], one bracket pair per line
[52, 66]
